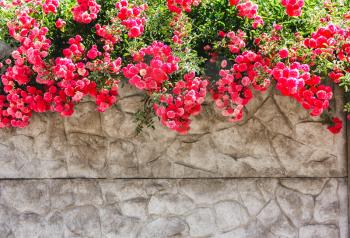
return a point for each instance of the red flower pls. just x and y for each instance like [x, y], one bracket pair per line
[131, 17]
[151, 76]
[174, 110]
[247, 9]
[50, 6]
[86, 11]
[60, 23]
[234, 2]
[336, 126]
[293, 7]
[93, 53]
[177, 6]
[283, 53]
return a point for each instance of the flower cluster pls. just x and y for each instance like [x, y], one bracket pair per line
[76, 48]
[131, 18]
[60, 83]
[291, 79]
[86, 11]
[16, 108]
[33, 48]
[293, 7]
[174, 110]
[106, 96]
[232, 91]
[179, 28]
[93, 53]
[18, 104]
[296, 81]
[258, 21]
[336, 126]
[177, 6]
[50, 6]
[109, 37]
[236, 41]
[56, 62]
[151, 75]
[60, 23]
[70, 87]
[247, 9]
[326, 40]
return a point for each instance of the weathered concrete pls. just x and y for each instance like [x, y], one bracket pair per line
[277, 139]
[174, 208]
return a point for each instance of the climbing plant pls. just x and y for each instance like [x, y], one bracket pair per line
[178, 52]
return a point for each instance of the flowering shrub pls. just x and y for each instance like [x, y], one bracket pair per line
[293, 7]
[151, 77]
[184, 100]
[86, 11]
[178, 52]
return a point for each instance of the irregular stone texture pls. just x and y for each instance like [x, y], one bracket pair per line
[276, 139]
[5, 50]
[173, 208]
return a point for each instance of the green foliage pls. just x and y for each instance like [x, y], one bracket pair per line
[210, 17]
[144, 116]
[345, 82]
[158, 21]
[6, 16]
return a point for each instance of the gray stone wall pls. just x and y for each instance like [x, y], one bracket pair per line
[277, 174]
[230, 208]
[276, 139]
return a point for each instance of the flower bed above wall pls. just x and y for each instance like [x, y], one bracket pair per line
[180, 53]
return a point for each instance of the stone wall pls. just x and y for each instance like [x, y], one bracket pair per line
[279, 173]
[276, 139]
[230, 208]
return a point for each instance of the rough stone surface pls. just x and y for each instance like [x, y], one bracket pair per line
[128, 208]
[80, 177]
[318, 231]
[276, 139]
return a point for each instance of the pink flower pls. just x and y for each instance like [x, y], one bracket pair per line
[247, 9]
[77, 96]
[177, 6]
[224, 64]
[60, 23]
[150, 77]
[50, 6]
[134, 32]
[174, 110]
[258, 21]
[277, 27]
[131, 18]
[86, 11]
[293, 7]
[295, 81]
[93, 53]
[283, 53]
